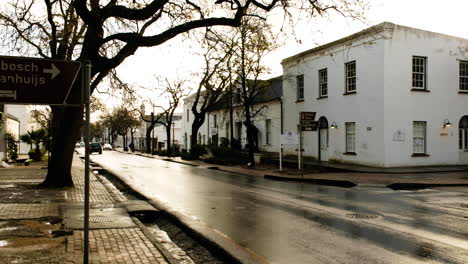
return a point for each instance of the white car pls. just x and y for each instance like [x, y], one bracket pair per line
[107, 147]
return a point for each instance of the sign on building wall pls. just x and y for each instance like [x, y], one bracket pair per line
[399, 136]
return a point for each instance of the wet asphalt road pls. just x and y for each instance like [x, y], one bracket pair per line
[289, 222]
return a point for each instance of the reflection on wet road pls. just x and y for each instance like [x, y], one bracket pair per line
[289, 222]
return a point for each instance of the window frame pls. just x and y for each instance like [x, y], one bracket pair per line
[350, 80]
[463, 79]
[423, 137]
[323, 83]
[300, 87]
[350, 138]
[422, 73]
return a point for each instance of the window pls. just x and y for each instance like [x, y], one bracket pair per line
[350, 137]
[463, 76]
[463, 134]
[350, 69]
[215, 121]
[204, 140]
[419, 137]
[300, 87]
[419, 73]
[323, 82]
[188, 115]
[268, 131]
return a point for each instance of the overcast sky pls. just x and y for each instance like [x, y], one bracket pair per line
[177, 59]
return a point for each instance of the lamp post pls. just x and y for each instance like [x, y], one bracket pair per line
[152, 137]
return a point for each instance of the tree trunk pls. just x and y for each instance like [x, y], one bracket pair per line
[250, 139]
[148, 139]
[67, 121]
[197, 123]
[168, 136]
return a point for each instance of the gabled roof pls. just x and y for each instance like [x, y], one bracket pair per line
[368, 31]
[272, 89]
[384, 26]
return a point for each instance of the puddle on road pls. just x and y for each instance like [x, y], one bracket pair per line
[3, 243]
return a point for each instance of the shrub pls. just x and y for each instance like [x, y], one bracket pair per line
[236, 144]
[224, 142]
[37, 156]
[12, 147]
[186, 156]
[226, 156]
[197, 150]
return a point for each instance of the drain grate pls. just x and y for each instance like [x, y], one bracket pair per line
[362, 216]
[98, 219]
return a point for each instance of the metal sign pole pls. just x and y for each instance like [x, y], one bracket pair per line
[86, 81]
[281, 152]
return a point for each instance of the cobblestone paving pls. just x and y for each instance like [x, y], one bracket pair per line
[97, 191]
[27, 211]
[114, 246]
[22, 173]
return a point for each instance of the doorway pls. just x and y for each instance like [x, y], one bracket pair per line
[323, 139]
[463, 140]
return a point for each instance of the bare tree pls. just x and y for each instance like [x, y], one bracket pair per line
[215, 78]
[175, 91]
[105, 33]
[252, 41]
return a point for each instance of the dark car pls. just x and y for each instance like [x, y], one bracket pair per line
[95, 147]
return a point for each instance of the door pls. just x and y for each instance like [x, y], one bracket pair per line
[463, 140]
[323, 139]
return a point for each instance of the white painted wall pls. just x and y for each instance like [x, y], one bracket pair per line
[402, 106]
[23, 113]
[384, 102]
[365, 107]
[270, 110]
[186, 123]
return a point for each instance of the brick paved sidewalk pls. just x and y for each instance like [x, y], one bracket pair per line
[25, 237]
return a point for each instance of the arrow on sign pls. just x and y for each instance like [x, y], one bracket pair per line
[54, 71]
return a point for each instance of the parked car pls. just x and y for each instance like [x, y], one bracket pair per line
[95, 147]
[107, 147]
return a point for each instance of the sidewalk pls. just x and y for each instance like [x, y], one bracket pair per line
[45, 225]
[397, 178]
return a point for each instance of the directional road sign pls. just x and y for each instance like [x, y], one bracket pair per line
[36, 81]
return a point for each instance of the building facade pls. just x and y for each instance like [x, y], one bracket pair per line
[218, 122]
[387, 96]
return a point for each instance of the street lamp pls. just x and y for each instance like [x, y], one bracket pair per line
[152, 137]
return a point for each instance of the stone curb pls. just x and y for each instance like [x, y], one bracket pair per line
[166, 253]
[327, 182]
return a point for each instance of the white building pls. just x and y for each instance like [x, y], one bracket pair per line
[16, 120]
[390, 92]
[217, 122]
